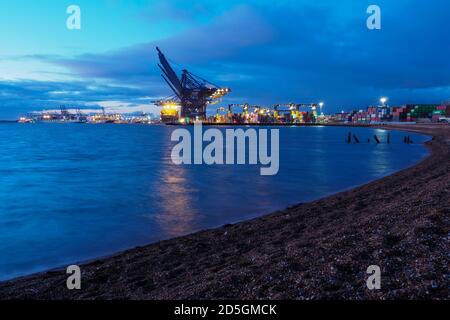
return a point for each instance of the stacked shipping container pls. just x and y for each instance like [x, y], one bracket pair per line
[409, 113]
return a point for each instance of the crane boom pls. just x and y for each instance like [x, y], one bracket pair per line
[168, 71]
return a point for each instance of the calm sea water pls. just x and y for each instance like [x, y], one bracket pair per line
[70, 193]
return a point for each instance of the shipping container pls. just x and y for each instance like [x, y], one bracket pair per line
[436, 118]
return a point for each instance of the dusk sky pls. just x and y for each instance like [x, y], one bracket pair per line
[267, 52]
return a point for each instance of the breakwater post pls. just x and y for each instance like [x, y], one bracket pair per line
[407, 140]
[376, 139]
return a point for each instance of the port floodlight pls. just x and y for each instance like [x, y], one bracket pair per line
[321, 104]
[383, 100]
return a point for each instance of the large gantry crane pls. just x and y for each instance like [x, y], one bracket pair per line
[192, 93]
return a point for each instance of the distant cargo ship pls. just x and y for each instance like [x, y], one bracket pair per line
[55, 118]
[170, 112]
[26, 120]
[103, 118]
[63, 116]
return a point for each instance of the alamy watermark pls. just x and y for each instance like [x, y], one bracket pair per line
[374, 280]
[374, 20]
[74, 280]
[239, 146]
[73, 22]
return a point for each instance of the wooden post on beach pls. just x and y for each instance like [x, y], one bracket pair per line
[376, 139]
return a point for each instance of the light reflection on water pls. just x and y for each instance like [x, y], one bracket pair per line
[71, 193]
[176, 212]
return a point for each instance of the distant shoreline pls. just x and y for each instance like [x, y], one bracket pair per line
[318, 250]
[350, 125]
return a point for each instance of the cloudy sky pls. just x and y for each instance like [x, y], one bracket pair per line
[267, 51]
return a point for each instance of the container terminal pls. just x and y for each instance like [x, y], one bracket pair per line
[192, 95]
[243, 114]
